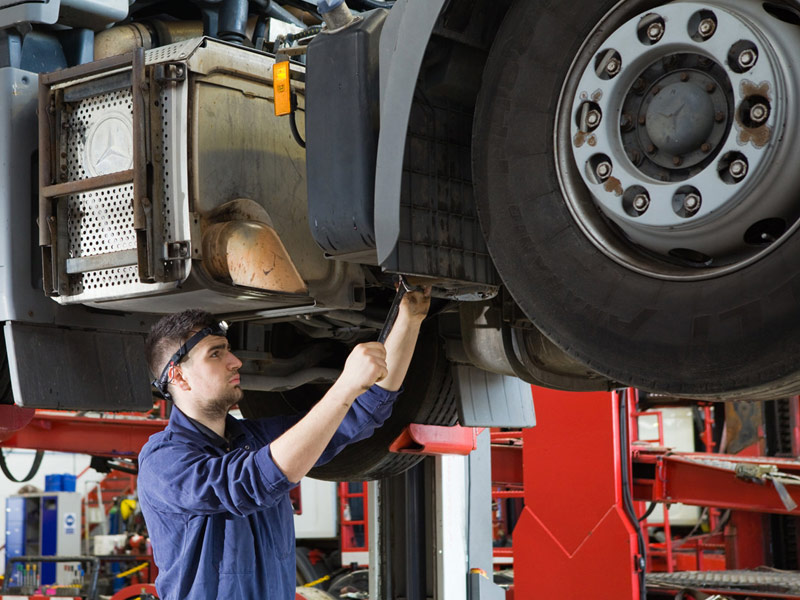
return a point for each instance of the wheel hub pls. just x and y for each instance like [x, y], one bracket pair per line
[682, 117]
[678, 110]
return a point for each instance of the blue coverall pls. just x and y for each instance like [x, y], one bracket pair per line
[218, 511]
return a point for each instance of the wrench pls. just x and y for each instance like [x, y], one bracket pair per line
[402, 289]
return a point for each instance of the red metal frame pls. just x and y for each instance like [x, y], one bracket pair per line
[507, 487]
[347, 524]
[692, 478]
[572, 534]
[433, 439]
[121, 435]
[573, 539]
[698, 552]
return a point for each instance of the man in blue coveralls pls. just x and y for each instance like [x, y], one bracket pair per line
[214, 489]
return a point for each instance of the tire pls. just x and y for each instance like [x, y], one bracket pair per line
[428, 397]
[307, 571]
[313, 594]
[733, 333]
[351, 585]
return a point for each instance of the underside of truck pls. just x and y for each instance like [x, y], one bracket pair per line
[601, 194]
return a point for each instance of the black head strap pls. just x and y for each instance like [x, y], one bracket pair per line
[167, 374]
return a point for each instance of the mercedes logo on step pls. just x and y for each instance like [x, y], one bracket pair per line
[109, 144]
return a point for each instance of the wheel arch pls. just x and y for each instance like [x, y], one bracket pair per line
[405, 46]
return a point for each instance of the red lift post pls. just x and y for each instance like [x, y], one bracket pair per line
[574, 539]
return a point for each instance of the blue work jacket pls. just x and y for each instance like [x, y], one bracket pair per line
[218, 511]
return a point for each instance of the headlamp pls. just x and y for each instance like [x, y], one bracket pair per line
[167, 374]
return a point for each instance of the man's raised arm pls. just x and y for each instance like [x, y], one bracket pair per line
[299, 448]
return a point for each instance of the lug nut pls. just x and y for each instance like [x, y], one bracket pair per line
[593, 118]
[719, 116]
[759, 113]
[641, 203]
[706, 28]
[747, 58]
[638, 85]
[650, 148]
[691, 203]
[684, 77]
[655, 31]
[711, 88]
[706, 147]
[738, 168]
[613, 66]
[677, 161]
[603, 170]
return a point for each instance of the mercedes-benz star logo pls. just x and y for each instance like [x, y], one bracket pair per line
[109, 145]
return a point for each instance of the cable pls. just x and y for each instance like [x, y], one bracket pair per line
[648, 512]
[293, 123]
[37, 462]
[627, 495]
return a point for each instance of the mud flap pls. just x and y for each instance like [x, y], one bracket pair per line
[53, 367]
[492, 400]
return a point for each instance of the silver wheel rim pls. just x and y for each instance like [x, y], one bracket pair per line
[675, 136]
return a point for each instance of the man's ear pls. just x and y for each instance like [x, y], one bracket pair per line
[178, 379]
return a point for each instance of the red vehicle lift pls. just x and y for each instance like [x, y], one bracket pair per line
[575, 538]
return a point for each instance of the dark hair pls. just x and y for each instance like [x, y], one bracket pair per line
[170, 333]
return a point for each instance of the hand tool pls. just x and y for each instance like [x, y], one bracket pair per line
[402, 289]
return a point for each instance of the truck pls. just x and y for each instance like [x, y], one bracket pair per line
[600, 193]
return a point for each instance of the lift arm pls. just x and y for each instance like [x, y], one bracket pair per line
[761, 484]
[60, 431]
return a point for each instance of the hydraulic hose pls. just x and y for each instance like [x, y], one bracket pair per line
[627, 494]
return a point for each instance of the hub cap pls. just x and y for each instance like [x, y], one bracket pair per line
[681, 124]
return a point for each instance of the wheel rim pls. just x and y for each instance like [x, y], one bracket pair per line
[674, 133]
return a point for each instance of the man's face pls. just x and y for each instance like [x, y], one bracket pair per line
[212, 373]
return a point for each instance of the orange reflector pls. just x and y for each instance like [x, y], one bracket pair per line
[282, 87]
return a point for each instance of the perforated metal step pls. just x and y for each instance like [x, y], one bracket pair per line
[784, 582]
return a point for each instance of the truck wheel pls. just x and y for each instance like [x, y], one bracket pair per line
[429, 397]
[636, 185]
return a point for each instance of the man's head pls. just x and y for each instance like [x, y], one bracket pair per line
[207, 374]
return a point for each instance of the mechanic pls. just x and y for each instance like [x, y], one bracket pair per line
[214, 489]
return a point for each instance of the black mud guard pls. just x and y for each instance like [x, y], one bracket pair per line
[356, 122]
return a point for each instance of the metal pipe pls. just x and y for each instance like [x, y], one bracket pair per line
[233, 21]
[144, 34]
[264, 383]
[308, 358]
[336, 14]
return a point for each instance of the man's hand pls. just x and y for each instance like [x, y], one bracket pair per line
[415, 305]
[365, 365]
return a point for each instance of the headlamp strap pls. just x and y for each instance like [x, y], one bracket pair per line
[168, 372]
